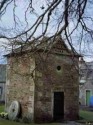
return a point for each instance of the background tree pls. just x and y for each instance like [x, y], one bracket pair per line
[70, 18]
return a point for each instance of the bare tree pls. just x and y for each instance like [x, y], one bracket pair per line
[70, 18]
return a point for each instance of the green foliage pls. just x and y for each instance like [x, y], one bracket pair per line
[4, 115]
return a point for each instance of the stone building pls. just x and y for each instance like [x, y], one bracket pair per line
[2, 82]
[86, 82]
[44, 79]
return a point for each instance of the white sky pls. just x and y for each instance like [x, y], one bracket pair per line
[8, 22]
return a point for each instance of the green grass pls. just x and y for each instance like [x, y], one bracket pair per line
[7, 122]
[87, 116]
[2, 108]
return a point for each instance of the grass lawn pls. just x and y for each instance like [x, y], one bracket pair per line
[2, 108]
[7, 122]
[86, 115]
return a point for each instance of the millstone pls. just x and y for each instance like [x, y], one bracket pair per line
[14, 110]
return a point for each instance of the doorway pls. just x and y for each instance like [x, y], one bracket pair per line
[88, 94]
[58, 112]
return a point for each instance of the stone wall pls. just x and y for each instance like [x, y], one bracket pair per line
[20, 83]
[49, 80]
[32, 80]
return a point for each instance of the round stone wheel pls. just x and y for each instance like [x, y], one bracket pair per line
[14, 110]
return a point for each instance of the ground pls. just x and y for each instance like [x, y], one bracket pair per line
[86, 118]
[7, 122]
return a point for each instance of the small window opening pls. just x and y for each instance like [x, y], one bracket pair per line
[58, 67]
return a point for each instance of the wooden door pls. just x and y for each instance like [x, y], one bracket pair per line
[58, 106]
[88, 94]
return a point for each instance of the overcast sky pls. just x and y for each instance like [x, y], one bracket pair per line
[7, 21]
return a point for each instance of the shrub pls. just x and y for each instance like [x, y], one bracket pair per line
[4, 115]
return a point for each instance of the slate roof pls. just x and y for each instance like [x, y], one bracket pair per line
[2, 73]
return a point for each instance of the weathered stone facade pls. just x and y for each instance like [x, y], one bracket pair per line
[86, 82]
[20, 84]
[32, 79]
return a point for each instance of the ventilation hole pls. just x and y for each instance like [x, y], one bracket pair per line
[58, 67]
